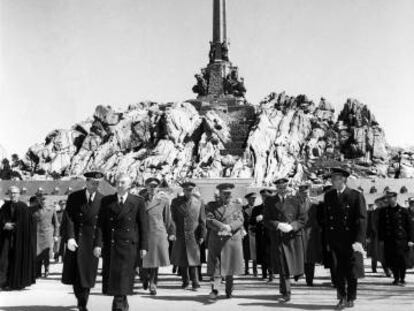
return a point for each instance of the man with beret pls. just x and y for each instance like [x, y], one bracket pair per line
[188, 214]
[262, 235]
[396, 230]
[160, 230]
[249, 242]
[345, 224]
[225, 250]
[285, 217]
[312, 233]
[78, 231]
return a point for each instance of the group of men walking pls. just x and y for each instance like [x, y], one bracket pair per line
[286, 235]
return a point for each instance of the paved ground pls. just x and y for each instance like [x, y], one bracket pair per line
[375, 293]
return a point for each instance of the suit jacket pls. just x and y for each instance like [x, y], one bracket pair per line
[79, 222]
[345, 218]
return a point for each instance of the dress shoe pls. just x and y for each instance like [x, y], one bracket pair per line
[341, 305]
[402, 282]
[195, 286]
[153, 291]
[350, 304]
[185, 285]
[229, 294]
[213, 294]
[285, 298]
[145, 285]
[395, 282]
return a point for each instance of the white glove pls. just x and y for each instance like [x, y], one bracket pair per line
[243, 233]
[410, 244]
[284, 227]
[227, 228]
[172, 237]
[259, 218]
[97, 252]
[357, 247]
[72, 245]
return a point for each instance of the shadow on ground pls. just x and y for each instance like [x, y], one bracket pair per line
[39, 308]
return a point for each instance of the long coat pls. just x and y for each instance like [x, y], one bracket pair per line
[79, 222]
[262, 236]
[287, 251]
[395, 229]
[159, 226]
[375, 247]
[190, 226]
[17, 246]
[121, 232]
[312, 233]
[225, 253]
[47, 228]
[249, 242]
[345, 221]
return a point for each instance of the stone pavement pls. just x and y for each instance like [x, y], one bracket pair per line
[375, 293]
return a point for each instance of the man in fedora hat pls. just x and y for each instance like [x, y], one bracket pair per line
[396, 231]
[225, 250]
[188, 214]
[285, 217]
[78, 231]
[345, 215]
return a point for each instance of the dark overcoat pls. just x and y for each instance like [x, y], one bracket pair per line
[189, 219]
[159, 226]
[262, 236]
[121, 232]
[287, 249]
[395, 229]
[79, 222]
[345, 222]
[225, 253]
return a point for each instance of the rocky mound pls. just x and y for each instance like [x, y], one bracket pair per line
[291, 136]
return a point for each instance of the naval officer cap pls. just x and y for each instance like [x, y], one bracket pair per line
[250, 195]
[391, 194]
[337, 171]
[267, 191]
[93, 175]
[281, 181]
[152, 181]
[188, 185]
[304, 186]
[225, 187]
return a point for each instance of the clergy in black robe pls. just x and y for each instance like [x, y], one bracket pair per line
[17, 243]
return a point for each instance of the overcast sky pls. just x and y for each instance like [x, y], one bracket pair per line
[61, 58]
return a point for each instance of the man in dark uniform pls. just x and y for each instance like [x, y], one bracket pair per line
[120, 237]
[249, 247]
[79, 223]
[188, 215]
[345, 225]
[285, 217]
[262, 235]
[225, 250]
[395, 229]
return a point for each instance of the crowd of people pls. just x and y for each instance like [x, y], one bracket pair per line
[136, 234]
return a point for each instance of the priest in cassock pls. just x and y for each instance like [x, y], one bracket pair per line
[17, 243]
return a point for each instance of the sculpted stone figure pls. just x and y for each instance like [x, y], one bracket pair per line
[201, 87]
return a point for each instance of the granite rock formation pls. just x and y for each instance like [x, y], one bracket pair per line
[290, 136]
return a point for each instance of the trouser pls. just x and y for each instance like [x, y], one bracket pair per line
[309, 272]
[42, 259]
[346, 282]
[189, 273]
[399, 268]
[120, 303]
[246, 267]
[150, 275]
[284, 277]
[81, 293]
[216, 280]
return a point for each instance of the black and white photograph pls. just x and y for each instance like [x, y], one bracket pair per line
[206, 155]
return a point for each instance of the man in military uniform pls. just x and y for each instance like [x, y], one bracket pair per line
[121, 236]
[249, 242]
[285, 217]
[345, 223]
[395, 229]
[78, 230]
[188, 215]
[225, 250]
[312, 233]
